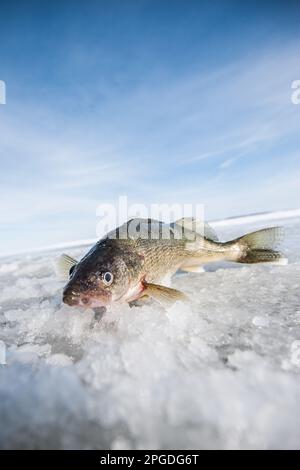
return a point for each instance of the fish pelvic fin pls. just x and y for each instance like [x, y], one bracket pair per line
[258, 247]
[64, 264]
[164, 295]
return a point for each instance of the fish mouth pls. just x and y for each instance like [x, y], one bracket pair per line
[71, 299]
[87, 300]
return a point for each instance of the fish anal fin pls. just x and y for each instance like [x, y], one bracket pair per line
[192, 268]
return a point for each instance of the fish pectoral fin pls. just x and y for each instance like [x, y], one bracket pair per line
[164, 295]
[64, 264]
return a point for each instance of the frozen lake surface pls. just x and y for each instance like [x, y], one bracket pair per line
[221, 373]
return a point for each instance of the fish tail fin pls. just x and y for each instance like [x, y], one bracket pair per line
[258, 247]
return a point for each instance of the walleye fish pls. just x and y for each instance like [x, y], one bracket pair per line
[133, 261]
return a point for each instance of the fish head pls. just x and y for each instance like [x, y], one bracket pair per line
[100, 278]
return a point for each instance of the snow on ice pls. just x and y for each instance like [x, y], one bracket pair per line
[223, 372]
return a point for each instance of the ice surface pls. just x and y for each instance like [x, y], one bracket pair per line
[223, 372]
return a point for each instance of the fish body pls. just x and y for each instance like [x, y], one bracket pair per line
[133, 261]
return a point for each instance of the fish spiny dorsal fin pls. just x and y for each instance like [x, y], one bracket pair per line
[198, 226]
[64, 264]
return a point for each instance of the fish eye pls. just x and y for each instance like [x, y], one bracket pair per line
[71, 270]
[108, 278]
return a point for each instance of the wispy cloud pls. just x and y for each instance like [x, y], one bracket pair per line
[227, 163]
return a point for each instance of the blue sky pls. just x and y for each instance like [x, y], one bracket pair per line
[162, 101]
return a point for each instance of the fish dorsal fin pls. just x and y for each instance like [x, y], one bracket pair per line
[197, 225]
[164, 295]
[135, 228]
[64, 264]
